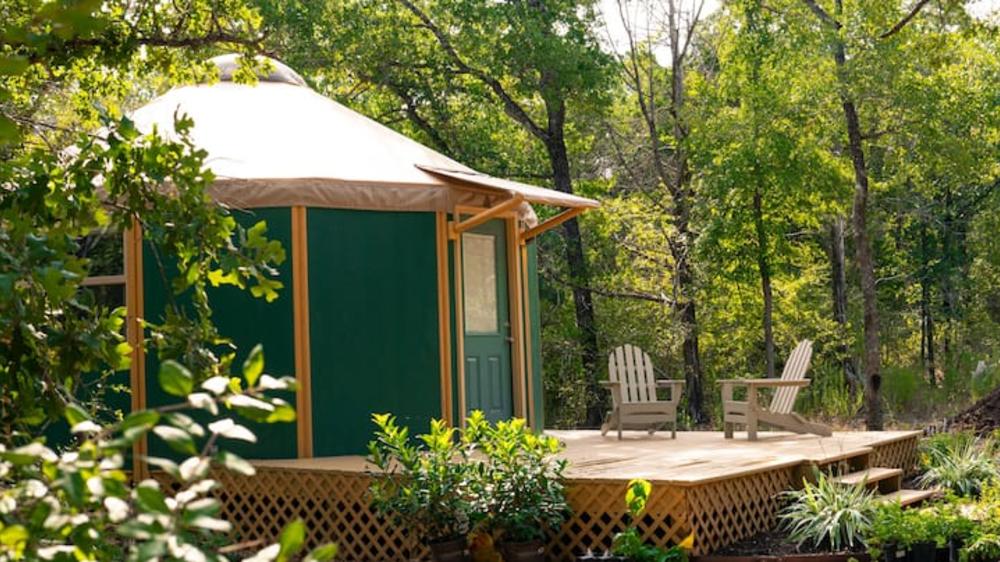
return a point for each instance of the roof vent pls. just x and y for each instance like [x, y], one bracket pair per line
[279, 72]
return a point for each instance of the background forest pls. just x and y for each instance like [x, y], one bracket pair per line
[770, 170]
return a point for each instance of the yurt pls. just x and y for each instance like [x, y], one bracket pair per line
[411, 286]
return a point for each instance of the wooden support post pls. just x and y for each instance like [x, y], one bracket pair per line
[459, 226]
[529, 370]
[444, 315]
[552, 222]
[300, 305]
[516, 319]
[134, 335]
[459, 327]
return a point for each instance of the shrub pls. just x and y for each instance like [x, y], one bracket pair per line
[829, 513]
[519, 482]
[426, 486]
[959, 463]
[628, 544]
[80, 504]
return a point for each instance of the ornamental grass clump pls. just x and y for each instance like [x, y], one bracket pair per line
[960, 463]
[828, 513]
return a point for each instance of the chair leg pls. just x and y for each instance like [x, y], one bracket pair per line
[673, 430]
[751, 426]
[609, 419]
[727, 428]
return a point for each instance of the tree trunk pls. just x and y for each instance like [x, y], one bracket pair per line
[862, 244]
[764, 267]
[583, 299]
[838, 285]
[866, 267]
[679, 190]
[926, 307]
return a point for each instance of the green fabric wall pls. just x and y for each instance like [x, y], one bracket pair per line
[247, 321]
[534, 319]
[374, 325]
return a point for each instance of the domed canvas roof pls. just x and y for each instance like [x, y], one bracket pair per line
[279, 143]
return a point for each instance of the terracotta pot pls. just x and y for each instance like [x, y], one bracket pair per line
[456, 550]
[531, 551]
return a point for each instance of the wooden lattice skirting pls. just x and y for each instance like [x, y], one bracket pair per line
[334, 505]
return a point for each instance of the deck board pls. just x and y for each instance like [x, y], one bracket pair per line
[695, 457]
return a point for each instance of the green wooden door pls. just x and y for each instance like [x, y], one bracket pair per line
[486, 310]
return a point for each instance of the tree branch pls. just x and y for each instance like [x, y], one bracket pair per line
[906, 19]
[822, 14]
[625, 294]
[511, 107]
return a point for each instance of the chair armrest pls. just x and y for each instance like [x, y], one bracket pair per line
[763, 382]
[609, 384]
[668, 383]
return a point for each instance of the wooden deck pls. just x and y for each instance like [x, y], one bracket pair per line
[720, 490]
[695, 457]
[700, 457]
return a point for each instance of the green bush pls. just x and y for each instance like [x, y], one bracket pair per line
[427, 486]
[958, 462]
[829, 513]
[517, 481]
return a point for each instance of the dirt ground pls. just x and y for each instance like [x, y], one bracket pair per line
[982, 417]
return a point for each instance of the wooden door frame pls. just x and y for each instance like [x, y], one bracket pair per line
[515, 302]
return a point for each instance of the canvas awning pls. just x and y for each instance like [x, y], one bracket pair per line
[279, 143]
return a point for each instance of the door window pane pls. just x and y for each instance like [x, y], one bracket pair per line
[479, 273]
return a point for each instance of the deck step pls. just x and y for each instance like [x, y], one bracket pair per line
[869, 475]
[909, 497]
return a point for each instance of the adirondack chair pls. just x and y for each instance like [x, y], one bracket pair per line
[633, 393]
[779, 414]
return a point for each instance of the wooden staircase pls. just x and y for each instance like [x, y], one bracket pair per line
[854, 468]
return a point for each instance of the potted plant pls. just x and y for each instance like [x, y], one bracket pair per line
[424, 485]
[628, 544]
[519, 485]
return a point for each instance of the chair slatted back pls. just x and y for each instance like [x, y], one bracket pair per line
[795, 370]
[632, 367]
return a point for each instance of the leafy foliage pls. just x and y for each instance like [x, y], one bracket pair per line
[829, 513]
[424, 486]
[501, 478]
[518, 482]
[80, 504]
[959, 462]
[629, 544]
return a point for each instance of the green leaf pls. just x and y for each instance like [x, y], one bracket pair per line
[322, 553]
[175, 378]
[14, 537]
[293, 536]
[254, 365]
[75, 414]
[151, 499]
[283, 413]
[178, 439]
[235, 463]
[143, 418]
